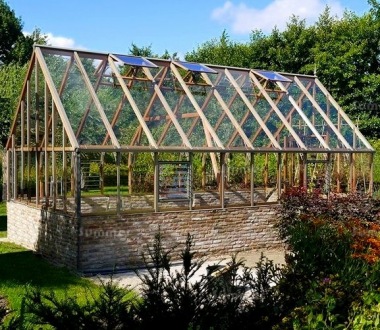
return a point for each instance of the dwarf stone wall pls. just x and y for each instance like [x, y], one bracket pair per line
[54, 235]
[116, 242]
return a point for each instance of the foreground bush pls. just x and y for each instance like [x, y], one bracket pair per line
[331, 280]
[333, 257]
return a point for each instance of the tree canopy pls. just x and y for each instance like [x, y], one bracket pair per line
[15, 47]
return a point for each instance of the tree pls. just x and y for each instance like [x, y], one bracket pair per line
[221, 51]
[10, 32]
[9, 95]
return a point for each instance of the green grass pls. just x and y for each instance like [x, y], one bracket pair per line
[107, 191]
[21, 269]
[3, 219]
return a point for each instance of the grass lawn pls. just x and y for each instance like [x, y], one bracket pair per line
[3, 219]
[107, 191]
[21, 268]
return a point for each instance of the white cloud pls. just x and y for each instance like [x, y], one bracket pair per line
[59, 41]
[243, 18]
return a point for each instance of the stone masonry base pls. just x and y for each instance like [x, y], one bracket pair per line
[99, 243]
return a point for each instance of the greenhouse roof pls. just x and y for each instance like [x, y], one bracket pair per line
[82, 100]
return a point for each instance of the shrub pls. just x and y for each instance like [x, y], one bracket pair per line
[112, 309]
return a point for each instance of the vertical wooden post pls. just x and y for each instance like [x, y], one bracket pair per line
[222, 178]
[46, 127]
[266, 168]
[305, 165]
[37, 162]
[354, 174]
[156, 181]
[118, 182]
[204, 155]
[9, 183]
[53, 157]
[37, 128]
[351, 173]
[64, 169]
[190, 181]
[77, 183]
[328, 169]
[14, 170]
[77, 197]
[22, 149]
[101, 173]
[370, 186]
[338, 174]
[279, 173]
[252, 165]
[28, 138]
[292, 169]
[130, 173]
[303, 169]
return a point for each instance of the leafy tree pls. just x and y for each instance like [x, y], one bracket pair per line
[221, 51]
[14, 45]
[9, 95]
[10, 32]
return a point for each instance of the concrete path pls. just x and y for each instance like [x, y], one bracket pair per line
[130, 280]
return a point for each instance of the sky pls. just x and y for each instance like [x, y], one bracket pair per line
[176, 26]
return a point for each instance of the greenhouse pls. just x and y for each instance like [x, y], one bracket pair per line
[114, 134]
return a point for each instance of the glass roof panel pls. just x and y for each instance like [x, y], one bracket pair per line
[135, 61]
[271, 75]
[92, 131]
[195, 67]
[75, 97]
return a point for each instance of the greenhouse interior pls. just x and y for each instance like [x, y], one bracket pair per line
[102, 132]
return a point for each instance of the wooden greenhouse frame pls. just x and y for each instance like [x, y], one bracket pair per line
[77, 105]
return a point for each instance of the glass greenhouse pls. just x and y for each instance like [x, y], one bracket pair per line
[102, 132]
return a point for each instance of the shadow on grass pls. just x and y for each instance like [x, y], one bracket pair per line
[23, 267]
[3, 223]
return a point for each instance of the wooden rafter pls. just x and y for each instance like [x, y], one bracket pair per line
[322, 113]
[57, 100]
[169, 111]
[209, 132]
[132, 103]
[278, 111]
[227, 111]
[90, 103]
[343, 114]
[288, 116]
[252, 109]
[137, 135]
[22, 97]
[96, 101]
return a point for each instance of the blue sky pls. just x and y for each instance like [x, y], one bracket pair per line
[176, 26]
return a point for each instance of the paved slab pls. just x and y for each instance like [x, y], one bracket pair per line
[130, 280]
